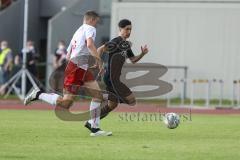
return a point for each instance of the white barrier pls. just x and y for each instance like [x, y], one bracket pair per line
[182, 84]
[236, 93]
[208, 87]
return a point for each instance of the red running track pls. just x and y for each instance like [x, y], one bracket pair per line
[141, 107]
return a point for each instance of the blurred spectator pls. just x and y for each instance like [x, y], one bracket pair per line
[5, 3]
[6, 62]
[31, 60]
[59, 64]
[31, 57]
[60, 55]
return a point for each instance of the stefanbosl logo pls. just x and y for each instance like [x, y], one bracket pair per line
[150, 117]
[153, 73]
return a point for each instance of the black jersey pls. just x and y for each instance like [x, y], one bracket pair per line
[118, 50]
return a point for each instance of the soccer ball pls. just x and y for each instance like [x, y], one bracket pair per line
[171, 120]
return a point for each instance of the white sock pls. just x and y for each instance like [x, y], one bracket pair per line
[95, 114]
[50, 98]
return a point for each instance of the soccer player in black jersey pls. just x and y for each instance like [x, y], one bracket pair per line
[118, 50]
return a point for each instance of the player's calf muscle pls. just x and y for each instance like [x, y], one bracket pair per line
[65, 103]
[112, 105]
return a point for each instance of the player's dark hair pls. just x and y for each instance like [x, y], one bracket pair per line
[124, 22]
[91, 14]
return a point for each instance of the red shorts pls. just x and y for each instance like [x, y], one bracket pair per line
[74, 77]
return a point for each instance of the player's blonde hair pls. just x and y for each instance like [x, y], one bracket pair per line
[91, 15]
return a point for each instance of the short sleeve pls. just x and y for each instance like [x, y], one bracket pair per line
[130, 53]
[91, 33]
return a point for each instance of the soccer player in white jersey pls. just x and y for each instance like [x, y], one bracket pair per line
[77, 73]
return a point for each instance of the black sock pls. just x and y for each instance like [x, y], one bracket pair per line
[94, 130]
[38, 94]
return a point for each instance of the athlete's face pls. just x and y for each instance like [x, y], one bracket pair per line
[126, 31]
[95, 21]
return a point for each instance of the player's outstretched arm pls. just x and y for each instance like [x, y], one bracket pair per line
[100, 51]
[135, 59]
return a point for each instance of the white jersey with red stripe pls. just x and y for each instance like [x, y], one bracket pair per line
[78, 46]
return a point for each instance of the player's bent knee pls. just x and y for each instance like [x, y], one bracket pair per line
[131, 102]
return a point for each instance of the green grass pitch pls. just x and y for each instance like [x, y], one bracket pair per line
[40, 135]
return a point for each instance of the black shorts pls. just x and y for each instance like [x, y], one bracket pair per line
[118, 91]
